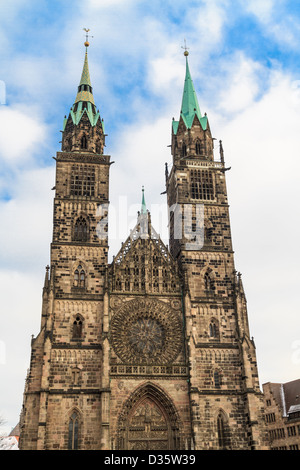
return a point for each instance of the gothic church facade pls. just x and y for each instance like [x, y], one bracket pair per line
[151, 351]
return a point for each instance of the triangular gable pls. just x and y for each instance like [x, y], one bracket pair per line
[144, 263]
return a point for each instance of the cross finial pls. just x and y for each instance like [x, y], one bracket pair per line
[185, 49]
[87, 37]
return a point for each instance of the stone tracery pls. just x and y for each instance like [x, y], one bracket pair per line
[146, 332]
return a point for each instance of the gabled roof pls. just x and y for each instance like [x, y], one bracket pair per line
[143, 230]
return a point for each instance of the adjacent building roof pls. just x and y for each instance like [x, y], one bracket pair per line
[291, 392]
[287, 396]
[9, 443]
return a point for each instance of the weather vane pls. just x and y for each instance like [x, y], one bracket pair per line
[87, 37]
[185, 49]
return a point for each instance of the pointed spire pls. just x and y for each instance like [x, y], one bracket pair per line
[84, 101]
[46, 282]
[143, 208]
[189, 106]
[85, 91]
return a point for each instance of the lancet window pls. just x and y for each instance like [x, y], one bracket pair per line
[213, 330]
[83, 142]
[208, 283]
[73, 431]
[77, 328]
[81, 230]
[79, 277]
[223, 431]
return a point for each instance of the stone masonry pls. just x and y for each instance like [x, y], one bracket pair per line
[151, 351]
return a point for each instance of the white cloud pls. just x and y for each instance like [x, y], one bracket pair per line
[101, 4]
[262, 9]
[241, 83]
[261, 145]
[19, 135]
[207, 23]
[277, 21]
[25, 229]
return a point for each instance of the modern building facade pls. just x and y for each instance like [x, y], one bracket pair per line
[153, 350]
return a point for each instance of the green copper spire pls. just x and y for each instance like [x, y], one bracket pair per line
[189, 106]
[143, 208]
[84, 101]
[85, 87]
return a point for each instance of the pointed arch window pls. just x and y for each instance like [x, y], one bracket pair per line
[81, 230]
[73, 431]
[183, 150]
[213, 330]
[208, 283]
[198, 147]
[77, 328]
[79, 277]
[223, 431]
[83, 142]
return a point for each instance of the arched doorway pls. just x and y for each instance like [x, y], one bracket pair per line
[148, 421]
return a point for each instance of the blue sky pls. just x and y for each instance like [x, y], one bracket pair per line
[245, 63]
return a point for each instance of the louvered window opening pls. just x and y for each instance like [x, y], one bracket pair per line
[82, 181]
[202, 185]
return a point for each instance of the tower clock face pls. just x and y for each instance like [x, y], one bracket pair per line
[146, 332]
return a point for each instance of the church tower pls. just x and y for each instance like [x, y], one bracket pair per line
[226, 401]
[152, 351]
[67, 355]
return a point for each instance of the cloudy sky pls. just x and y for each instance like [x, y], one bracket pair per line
[245, 64]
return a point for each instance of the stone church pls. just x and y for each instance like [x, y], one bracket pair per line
[151, 351]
